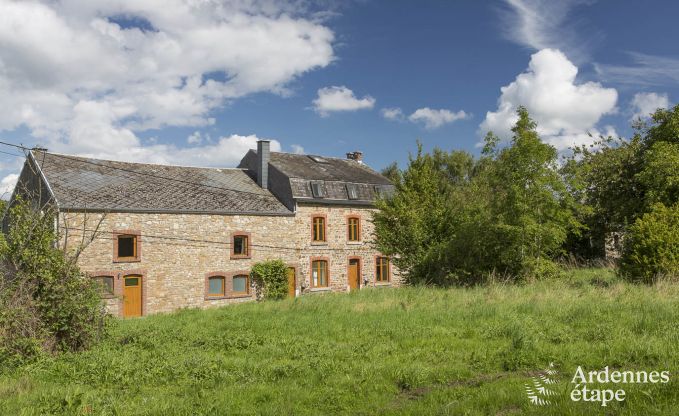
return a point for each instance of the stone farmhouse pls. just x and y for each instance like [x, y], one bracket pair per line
[160, 237]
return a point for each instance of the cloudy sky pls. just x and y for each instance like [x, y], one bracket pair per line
[197, 82]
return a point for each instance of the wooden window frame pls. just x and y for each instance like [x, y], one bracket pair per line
[311, 272]
[207, 286]
[233, 245]
[325, 229]
[106, 295]
[247, 285]
[383, 282]
[124, 233]
[359, 230]
[228, 285]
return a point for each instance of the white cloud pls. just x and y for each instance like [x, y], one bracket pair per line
[563, 109]
[646, 70]
[297, 149]
[7, 185]
[394, 113]
[540, 24]
[645, 103]
[433, 119]
[82, 83]
[334, 98]
[194, 138]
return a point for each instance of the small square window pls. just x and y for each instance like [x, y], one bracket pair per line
[352, 191]
[105, 284]
[215, 286]
[317, 190]
[240, 245]
[240, 285]
[127, 248]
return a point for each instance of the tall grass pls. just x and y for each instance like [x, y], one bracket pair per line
[378, 351]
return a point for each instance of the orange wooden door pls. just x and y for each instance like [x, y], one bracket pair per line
[132, 296]
[353, 274]
[291, 282]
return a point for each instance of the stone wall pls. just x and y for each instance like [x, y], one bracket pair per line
[178, 251]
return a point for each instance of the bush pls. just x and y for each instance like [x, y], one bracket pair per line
[651, 246]
[46, 304]
[271, 277]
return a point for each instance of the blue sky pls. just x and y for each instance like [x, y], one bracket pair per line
[167, 82]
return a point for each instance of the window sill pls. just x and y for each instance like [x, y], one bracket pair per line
[228, 297]
[354, 243]
[240, 257]
[319, 243]
[320, 289]
[382, 284]
[127, 260]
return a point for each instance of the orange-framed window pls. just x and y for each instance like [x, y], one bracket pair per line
[318, 229]
[216, 286]
[319, 273]
[354, 229]
[241, 245]
[104, 284]
[240, 284]
[127, 247]
[382, 269]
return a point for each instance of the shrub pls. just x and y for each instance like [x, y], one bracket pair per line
[651, 245]
[46, 304]
[271, 277]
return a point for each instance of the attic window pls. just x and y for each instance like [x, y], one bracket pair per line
[378, 190]
[352, 191]
[317, 159]
[317, 190]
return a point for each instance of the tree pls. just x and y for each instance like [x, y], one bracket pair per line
[392, 172]
[455, 220]
[529, 202]
[46, 303]
[651, 248]
[620, 180]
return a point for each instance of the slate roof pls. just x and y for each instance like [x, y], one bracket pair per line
[332, 169]
[94, 184]
[291, 177]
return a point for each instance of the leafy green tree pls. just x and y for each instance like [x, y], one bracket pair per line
[455, 220]
[529, 202]
[414, 219]
[46, 303]
[620, 180]
[392, 172]
[651, 248]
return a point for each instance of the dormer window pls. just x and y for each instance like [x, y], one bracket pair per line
[317, 189]
[352, 191]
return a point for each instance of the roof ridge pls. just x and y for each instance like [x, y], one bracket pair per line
[138, 163]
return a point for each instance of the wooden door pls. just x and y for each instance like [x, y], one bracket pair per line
[354, 274]
[292, 284]
[132, 296]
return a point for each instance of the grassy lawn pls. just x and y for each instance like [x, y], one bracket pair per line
[381, 351]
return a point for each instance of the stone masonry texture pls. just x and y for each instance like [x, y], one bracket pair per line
[178, 251]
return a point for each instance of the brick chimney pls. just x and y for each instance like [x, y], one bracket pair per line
[263, 156]
[356, 155]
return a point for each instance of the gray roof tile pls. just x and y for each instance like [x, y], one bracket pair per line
[84, 183]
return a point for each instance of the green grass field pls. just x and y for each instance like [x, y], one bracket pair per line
[380, 351]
